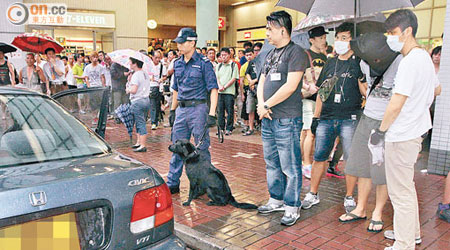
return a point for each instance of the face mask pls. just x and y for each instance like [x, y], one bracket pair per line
[341, 47]
[394, 43]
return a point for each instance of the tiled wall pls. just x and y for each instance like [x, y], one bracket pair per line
[439, 158]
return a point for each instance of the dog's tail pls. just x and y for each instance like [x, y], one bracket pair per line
[243, 205]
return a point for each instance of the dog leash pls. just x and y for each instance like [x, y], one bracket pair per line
[202, 137]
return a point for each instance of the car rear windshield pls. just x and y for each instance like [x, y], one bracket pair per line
[36, 129]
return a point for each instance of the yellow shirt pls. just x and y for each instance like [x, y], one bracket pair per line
[242, 73]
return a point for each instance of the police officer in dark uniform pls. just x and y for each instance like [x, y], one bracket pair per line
[189, 115]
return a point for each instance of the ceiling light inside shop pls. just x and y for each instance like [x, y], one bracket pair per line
[234, 4]
[151, 24]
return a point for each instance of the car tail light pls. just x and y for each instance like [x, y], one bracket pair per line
[151, 208]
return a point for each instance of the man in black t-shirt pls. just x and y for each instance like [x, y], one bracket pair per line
[338, 105]
[316, 59]
[280, 108]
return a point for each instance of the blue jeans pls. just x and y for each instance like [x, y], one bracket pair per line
[326, 134]
[281, 146]
[139, 109]
[188, 121]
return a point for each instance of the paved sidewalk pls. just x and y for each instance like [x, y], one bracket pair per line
[240, 158]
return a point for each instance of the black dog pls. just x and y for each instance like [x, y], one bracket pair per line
[205, 178]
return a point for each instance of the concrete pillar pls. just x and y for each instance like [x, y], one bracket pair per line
[207, 18]
[439, 157]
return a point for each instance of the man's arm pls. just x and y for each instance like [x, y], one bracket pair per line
[286, 90]
[392, 111]
[20, 77]
[318, 109]
[260, 90]
[57, 68]
[437, 90]
[41, 74]
[175, 100]
[363, 88]
[213, 100]
[11, 72]
[102, 77]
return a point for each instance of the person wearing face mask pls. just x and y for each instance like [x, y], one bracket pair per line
[338, 106]
[405, 123]
[379, 67]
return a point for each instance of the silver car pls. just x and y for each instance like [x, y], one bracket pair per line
[61, 183]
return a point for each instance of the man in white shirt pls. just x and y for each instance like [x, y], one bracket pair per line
[54, 71]
[407, 119]
[94, 73]
[159, 76]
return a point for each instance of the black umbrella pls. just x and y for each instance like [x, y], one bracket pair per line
[6, 48]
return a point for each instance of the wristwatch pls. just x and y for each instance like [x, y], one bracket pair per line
[266, 107]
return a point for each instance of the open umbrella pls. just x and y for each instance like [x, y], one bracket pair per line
[346, 7]
[6, 48]
[36, 43]
[122, 57]
[332, 21]
[357, 8]
[123, 112]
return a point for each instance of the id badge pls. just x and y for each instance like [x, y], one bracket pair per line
[275, 77]
[337, 98]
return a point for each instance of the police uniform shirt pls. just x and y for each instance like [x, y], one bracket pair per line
[193, 80]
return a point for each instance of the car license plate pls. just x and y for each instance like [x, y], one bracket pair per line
[57, 232]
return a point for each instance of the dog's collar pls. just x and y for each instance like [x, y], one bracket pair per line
[192, 155]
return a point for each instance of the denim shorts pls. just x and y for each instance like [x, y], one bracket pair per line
[326, 134]
[139, 110]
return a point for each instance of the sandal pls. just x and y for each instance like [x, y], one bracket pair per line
[375, 222]
[249, 132]
[354, 218]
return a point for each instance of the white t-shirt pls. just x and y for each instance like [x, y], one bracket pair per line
[50, 72]
[158, 74]
[417, 80]
[94, 74]
[142, 80]
[172, 77]
[69, 77]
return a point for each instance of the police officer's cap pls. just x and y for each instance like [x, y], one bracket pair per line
[186, 34]
[316, 32]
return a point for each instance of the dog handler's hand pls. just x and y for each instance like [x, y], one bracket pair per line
[172, 118]
[211, 121]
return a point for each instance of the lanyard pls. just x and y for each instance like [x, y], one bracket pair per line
[272, 63]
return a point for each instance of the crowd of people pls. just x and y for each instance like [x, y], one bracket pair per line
[368, 102]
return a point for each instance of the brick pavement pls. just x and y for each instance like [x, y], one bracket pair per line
[241, 161]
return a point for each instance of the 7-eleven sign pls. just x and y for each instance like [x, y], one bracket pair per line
[222, 23]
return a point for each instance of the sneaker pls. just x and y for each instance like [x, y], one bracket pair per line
[310, 200]
[228, 132]
[389, 248]
[389, 234]
[153, 126]
[349, 204]
[245, 130]
[291, 215]
[82, 112]
[306, 170]
[271, 206]
[335, 172]
[443, 212]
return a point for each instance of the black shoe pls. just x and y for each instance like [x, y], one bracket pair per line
[335, 172]
[174, 190]
[135, 146]
[140, 149]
